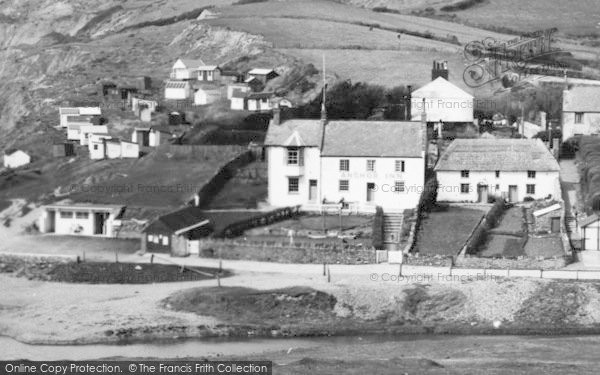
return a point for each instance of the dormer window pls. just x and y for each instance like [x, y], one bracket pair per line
[295, 156]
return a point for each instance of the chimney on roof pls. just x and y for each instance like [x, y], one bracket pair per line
[440, 69]
[276, 116]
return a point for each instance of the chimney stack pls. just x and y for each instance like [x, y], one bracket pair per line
[440, 69]
[276, 116]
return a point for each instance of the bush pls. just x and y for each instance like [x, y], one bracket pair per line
[377, 238]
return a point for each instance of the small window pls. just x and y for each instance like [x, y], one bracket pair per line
[370, 165]
[530, 174]
[530, 189]
[398, 186]
[66, 215]
[293, 156]
[293, 185]
[95, 147]
[464, 188]
[165, 241]
[344, 185]
[497, 187]
[464, 174]
[81, 215]
[579, 117]
[399, 166]
[150, 238]
[497, 174]
[344, 165]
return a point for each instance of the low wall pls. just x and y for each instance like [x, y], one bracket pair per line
[508, 263]
[286, 253]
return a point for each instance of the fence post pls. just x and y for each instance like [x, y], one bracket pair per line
[152, 259]
[328, 275]
[324, 269]
[83, 255]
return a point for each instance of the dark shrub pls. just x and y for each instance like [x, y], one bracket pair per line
[377, 239]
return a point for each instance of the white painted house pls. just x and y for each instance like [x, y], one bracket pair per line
[185, 69]
[113, 148]
[88, 130]
[81, 219]
[581, 111]
[16, 158]
[442, 100]
[178, 90]
[204, 95]
[208, 73]
[358, 164]
[472, 170]
[66, 112]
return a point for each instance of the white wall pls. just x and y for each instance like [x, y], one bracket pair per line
[237, 104]
[177, 93]
[16, 160]
[384, 177]
[546, 183]
[590, 124]
[113, 150]
[242, 88]
[445, 109]
[74, 225]
[96, 150]
[130, 150]
[279, 171]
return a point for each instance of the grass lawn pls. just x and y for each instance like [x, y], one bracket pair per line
[546, 247]
[512, 221]
[498, 245]
[445, 232]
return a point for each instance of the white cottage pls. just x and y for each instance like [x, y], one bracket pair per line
[581, 111]
[358, 164]
[472, 170]
[178, 90]
[16, 158]
[184, 69]
[442, 100]
[66, 112]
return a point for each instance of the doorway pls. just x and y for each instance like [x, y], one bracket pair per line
[312, 190]
[51, 221]
[370, 192]
[555, 225]
[100, 222]
[513, 195]
[482, 193]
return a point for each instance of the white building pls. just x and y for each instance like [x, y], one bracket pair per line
[360, 164]
[259, 101]
[581, 111]
[208, 73]
[16, 158]
[443, 101]
[204, 96]
[88, 130]
[472, 170]
[184, 69]
[240, 88]
[113, 148]
[238, 99]
[178, 90]
[66, 112]
[81, 219]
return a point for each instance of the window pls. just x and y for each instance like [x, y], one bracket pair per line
[579, 117]
[370, 165]
[293, 156]
[344, 185]
[497, 174]
[344, 165]
[399, 166]
[150, 238]
[165, 241]
[66, 215]
[398, 186]
[293, 185]
[530, 189]
[530, 174]
[497, 187]
[81, 215]
[464, 174]
[464, 188]
[95, 147]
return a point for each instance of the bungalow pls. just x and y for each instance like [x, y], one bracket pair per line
[113, 148]
[259, 101]
[472, 169]
[238, 100]
[81, 219]
[87, 130]
[204, 96]
[263, 75]
[178, 90]
[153, 136]
[66, 112]
[176, 233]
[185, 69]
[581, 111]
[208, 73]
[14, 158]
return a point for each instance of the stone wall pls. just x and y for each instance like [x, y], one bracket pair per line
[511, 263]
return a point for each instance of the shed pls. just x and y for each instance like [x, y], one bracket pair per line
[14, 158]
[63, 149]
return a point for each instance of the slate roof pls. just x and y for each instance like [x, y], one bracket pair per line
[180, 219]
[582, 99]
[260, 71]
[373, 138]
[238, 93]
[497, 154]
[260, 95]
[192, 63]
[287, 133]
[441, 88]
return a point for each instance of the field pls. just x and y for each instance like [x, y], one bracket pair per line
[445, 231]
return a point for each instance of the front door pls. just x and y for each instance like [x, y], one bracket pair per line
[513, 193]
[51, 223]
[370, 192]
[312, 190]
[482, 193]
[555, 225]
[99, 222]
